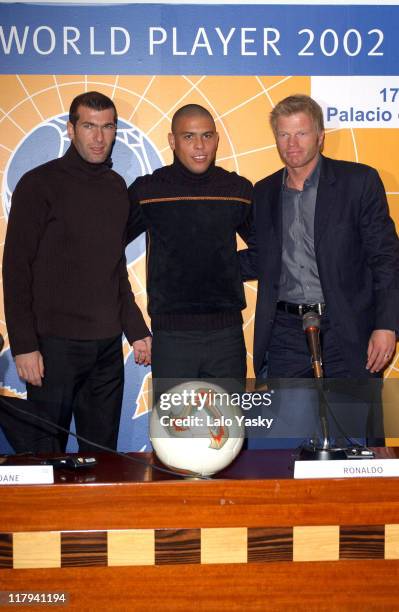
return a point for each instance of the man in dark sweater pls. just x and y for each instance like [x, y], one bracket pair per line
[191, 211]
[67, 295]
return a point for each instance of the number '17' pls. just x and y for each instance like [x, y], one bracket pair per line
[389, 94]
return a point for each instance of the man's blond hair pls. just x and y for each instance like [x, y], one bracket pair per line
[298, 103]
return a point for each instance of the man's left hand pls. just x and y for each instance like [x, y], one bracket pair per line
[380, 349]
[142, 351]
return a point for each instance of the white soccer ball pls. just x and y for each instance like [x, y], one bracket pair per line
[195, 428]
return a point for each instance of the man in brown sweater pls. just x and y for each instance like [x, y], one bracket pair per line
[66, 290]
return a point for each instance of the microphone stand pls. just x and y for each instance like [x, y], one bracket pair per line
[324, 451]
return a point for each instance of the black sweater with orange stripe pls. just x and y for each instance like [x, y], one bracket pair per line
[191, 220]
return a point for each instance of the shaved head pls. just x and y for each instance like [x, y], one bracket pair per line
[190, 110]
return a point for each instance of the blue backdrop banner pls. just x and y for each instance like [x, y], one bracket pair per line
[199, 39]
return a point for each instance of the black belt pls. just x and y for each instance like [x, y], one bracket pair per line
[301, 309]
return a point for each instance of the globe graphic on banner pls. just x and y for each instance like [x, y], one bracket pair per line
[133, 155]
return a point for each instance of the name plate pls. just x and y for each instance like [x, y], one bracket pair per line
[347, 468]
[26, 474]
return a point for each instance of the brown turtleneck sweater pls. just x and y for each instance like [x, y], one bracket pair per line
[64, 269]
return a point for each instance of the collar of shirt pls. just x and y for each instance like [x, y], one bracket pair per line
[311, 181]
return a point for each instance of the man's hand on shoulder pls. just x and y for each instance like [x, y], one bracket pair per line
[380, 349]
[142, 351]
[30, 367]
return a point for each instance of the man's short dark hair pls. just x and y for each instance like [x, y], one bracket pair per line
[190, 110]
[90, 99]
[298, 103]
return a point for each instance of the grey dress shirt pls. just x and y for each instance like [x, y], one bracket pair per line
[299, 279]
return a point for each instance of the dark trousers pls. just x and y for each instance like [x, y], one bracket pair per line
[23, 431]
[83, 378]
[355, 407]
[217, 353]
[289, 357]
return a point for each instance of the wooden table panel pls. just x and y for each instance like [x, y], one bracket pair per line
[268, 517]
[314, 587]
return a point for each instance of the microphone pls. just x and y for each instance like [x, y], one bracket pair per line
[311, 327]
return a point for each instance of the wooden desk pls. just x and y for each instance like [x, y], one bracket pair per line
[122, 537]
